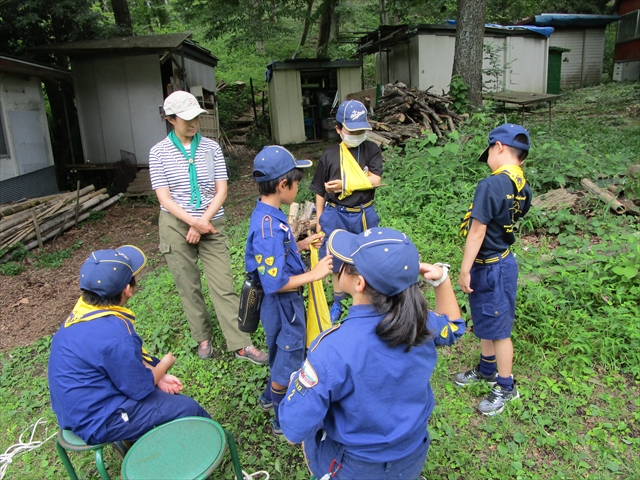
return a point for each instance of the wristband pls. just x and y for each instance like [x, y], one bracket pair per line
[445, 273]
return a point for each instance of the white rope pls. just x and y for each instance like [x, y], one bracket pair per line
[7, 457]
[252, 476]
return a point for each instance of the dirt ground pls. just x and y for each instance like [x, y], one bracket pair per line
[35, 302]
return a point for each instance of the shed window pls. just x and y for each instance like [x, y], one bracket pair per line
[3, 144]
[629, 27]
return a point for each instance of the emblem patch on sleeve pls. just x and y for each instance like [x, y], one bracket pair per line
[273, 271]
[284, 227]
[445, 332]
[259, 259]
[308, 376]
[261, 269]
[269, 261]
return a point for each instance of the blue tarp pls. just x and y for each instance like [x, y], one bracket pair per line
[573, 20]
[544, 31]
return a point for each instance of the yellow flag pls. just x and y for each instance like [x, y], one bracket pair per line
[318, 318]
[353, 177]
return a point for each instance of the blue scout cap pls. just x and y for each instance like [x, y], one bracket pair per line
[273, 161]
[353, 115]
[108, 272]
[506, 135]
[386, 258]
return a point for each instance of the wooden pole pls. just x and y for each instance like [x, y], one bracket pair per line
[253, 101]
[37, 227]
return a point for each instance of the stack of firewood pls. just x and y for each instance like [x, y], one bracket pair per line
[35, 221]
[404, 113]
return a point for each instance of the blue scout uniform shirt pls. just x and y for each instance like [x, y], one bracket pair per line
[498, 205]
[271, 254]
[372, 398]
[93, 368]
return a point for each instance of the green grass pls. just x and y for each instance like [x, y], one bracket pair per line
[576, 338]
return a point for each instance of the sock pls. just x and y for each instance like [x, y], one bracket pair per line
[337, 298]
[276, 397]
[487, 365]
[266, 395]
[505, 382]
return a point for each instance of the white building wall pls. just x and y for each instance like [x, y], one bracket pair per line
[349, 81]
[436, 62]
[117, 100]
[26, 131]
[527, 61]
[285, 105]
[571, 74]
[593, 56]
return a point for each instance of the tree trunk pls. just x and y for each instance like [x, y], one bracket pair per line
[305, 27]
[324, 30]
[384, 17]
[467, 61]
[122, 16]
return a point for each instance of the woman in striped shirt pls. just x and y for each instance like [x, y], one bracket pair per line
[189, 177]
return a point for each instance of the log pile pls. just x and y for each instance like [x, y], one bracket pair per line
[302, 220]
[404, 113]
[36, 221]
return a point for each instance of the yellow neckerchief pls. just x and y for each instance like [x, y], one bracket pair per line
[352, 175]
[516, 175]
[83, 312]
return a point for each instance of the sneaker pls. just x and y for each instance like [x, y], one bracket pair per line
[336, 312]
[473, 376]
[265, 404]
[205, 350]
[497, 399]
[275, 428]
[252, 354]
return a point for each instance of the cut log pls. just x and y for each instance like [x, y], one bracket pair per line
[604, 195]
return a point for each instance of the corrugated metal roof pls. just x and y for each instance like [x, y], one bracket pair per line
[25, 66]
[165, 41]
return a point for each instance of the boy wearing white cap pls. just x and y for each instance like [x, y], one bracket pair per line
[344, 183]
[189, 176]
[104, 386]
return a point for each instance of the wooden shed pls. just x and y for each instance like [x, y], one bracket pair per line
[303, 93]
[583, 37]
[422, 56]
[121, 83]
[26, 160]
[626, 57]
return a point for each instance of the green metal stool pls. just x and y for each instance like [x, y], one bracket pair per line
[185, 448]
[66, 440]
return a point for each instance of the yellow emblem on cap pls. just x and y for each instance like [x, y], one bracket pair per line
[269, 261]
[259, 258]
[273, 271]
[261, 269]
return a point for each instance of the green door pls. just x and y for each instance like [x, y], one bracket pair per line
[555, 69]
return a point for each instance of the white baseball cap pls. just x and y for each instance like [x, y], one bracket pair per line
[182, 104]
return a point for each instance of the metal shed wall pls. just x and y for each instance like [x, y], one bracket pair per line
[24, 120]
[526, 56]
[285, 104]
[199, 74]
[30, 185]
[118, 101]
[583, 64]
[349, 81]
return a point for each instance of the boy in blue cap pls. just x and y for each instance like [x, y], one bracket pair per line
[104, 386]
[272, 257]
[361, 402]
[336, 206]
[489, 272]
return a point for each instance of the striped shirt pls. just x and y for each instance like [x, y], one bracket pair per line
[169, 168]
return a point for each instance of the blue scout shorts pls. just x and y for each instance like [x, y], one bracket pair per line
[493, 300]
[134, 418]
[283, 320]
[321, 453]
[339, 217]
